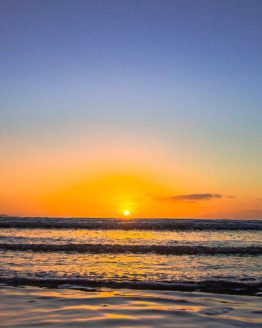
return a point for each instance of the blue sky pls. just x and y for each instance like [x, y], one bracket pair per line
[175, 59]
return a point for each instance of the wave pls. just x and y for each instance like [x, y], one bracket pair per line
[138, 224]
[208, 286]
[136, 249]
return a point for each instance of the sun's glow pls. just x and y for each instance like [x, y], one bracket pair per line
[126, 212]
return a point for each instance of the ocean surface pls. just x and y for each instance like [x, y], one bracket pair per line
[217, 256]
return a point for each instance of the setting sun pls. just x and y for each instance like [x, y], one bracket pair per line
[126, 213]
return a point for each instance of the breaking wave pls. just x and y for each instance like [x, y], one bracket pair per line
[208, 286]
[138, 224]
[136, 249]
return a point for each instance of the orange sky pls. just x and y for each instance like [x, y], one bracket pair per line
[146, 179]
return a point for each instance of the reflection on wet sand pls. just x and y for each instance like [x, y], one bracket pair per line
[31, 307]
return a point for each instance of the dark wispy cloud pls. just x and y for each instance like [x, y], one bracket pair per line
[189, 197]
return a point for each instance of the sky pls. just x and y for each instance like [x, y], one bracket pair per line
[147, 106]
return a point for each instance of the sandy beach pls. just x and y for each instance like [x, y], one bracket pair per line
[67, 307]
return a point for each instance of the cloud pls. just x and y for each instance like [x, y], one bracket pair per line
[190, 197]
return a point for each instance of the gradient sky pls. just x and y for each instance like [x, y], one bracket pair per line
[154, 106]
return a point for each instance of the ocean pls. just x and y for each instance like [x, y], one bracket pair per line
[217, 256]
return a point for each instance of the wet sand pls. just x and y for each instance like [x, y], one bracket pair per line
[66, 307]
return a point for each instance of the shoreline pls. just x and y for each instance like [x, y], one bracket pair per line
[221, 287]
[63, 307]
